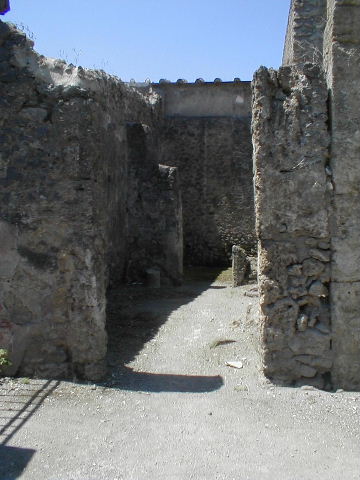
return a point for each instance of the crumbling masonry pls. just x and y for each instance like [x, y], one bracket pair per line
[103, 182]
[306, 136]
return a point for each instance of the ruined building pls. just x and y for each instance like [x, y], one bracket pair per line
[91, 175]
[103, 181]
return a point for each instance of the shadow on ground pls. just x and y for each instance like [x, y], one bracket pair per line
[129, 379]
[17, 406]
[134, 316]
[14, 461]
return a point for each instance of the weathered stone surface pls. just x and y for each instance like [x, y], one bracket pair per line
[307, 371]
[324, 363]
[317, 289]
[304, 37]
[302, 323]
[83, 200]
[312, 268]
[294, 161]
[342, 64]
[290, 141]
[346, 238]
[240, 266]
[215, 216]
[154, 237]
[85, 203]
[328, 33]
[310, 342]
[346, 334]
[321, 255]
[63, 213]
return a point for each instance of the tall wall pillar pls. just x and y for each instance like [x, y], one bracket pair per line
[285, 124]
[290, 142]
[342, 65]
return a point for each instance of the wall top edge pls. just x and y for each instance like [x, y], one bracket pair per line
[187, 84]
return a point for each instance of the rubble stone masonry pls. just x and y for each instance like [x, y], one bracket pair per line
[308, 198]
[292, 219]
[64, 207]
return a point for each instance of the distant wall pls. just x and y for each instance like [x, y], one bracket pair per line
[206, 134]
[223, 99]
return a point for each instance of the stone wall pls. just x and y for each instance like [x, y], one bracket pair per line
[342, 66]
[304, 36]
[155, 237]
[212, 149]
[310, 206]
[205, 99]
[64, 207]
[292, 219]
[85, 202]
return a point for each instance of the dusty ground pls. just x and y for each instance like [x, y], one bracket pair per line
[176, 410]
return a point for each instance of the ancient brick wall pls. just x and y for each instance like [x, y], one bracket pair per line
[64, 214]
[211, 146]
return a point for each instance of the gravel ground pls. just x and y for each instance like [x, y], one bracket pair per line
[173, 407]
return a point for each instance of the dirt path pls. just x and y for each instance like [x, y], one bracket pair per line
[177, 411]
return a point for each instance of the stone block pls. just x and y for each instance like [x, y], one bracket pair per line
[240, 266]
[310, 342]
[153, 278]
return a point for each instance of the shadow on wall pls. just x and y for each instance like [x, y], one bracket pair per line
[134, 316]
[17, 406]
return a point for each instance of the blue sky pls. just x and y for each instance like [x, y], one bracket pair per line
[156, 39]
